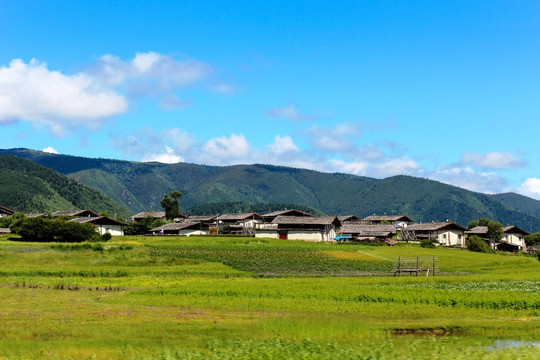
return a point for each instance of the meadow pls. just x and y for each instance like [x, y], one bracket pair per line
[246, 298]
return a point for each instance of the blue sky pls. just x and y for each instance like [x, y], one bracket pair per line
[447, 90]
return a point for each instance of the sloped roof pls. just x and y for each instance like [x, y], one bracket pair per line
[202, 217]
[79, 213]
[389, 218]
[177, 226]
[239, 217]
[477, 230]
[291, 212]
[368, 230]
[98, 220]
[343, 218]
[435, 226]
[305, 220]
[5, 210]
[512, 229]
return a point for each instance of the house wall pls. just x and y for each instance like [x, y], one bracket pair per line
[115, 230]
[272, 234]
[451, 238]
[190, 232]
[514, 239]
[306, 235]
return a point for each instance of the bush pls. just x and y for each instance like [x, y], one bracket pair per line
[106, 237]
[426, 243]
[48, 230]
[144, 226]
[476, 244]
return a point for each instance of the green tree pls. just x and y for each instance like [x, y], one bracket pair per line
[171, 204]
[476, 244]
[494, 229]
[533, 239]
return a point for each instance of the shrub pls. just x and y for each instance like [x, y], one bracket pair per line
[48, 230]
[426, 243]
[476, 244]
[106, 237]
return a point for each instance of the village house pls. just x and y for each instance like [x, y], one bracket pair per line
[6, 212]
[400, 221]
[513, 238]
[240, 223]
[309, 228]
[362, 232]
[184, 228]
[444, 233]
[103, 224]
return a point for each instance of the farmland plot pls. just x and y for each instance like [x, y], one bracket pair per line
[238, 298]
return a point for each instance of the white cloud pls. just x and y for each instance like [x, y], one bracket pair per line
[33, 93]
[531, 187]
[173, 102]
[149, 73]
[339, 138]
[282, 144]
[227, 149]
[468, 178]
[492, 160]
[290, 113]
[391, 167]
[50, 150]
[168, 156]
[352, 167]
[222, 88]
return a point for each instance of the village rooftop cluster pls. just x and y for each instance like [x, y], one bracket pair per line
[299, 225]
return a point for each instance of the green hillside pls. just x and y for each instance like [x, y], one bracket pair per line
[519, 202]
[140, 186]
[31, 188]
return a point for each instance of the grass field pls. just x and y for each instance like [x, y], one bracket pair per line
[246, 298]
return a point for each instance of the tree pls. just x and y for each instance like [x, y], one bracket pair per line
[476, 244]
[171, 204]
[533, 239]
[494, 229]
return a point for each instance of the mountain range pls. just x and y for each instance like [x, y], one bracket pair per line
[140, 186]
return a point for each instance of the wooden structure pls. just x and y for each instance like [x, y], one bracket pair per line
[415, 265]
[5, 211]
[308, 228]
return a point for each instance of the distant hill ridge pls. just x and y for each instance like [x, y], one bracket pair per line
[140, 186]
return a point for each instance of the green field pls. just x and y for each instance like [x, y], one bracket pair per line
[247, 298]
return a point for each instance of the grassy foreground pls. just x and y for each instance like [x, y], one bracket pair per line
[245, 298]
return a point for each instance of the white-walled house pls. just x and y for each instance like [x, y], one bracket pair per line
[513, 237]
[184, 228]
[445, 233]
[308, 228]
[103, 224]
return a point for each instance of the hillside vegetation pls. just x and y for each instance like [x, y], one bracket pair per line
[140, 186]
[32, 188]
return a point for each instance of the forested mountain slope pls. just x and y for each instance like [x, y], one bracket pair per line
[140, 186]
[28, 187]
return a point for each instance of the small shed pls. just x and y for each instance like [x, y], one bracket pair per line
[154, 214]
[401, 221]
[269, 217]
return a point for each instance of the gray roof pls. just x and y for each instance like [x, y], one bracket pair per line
[343, 218]
[5, 231]
[177, 226]
[388, 218]
[98, 220]
[477, 230]
[202, 217]
[368, 230]
[239, 217]
[75, 213]
[435, 226]
[512, 229]
[286, 212]
[305, 220]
